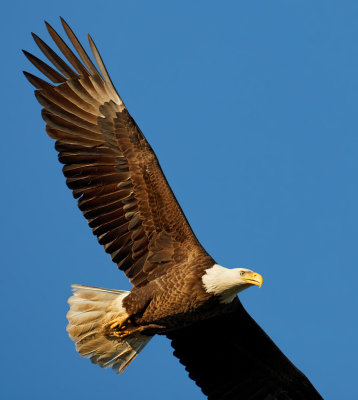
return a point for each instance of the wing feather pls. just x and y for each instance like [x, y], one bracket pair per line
[54, 58]
[66, 51]
[51, 74]
[108, 164]
[80, 50]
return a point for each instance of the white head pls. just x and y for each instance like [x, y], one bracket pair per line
[226, 282]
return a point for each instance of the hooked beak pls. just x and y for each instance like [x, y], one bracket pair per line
[254, 279]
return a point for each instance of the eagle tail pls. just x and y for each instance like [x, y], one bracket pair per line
[91, 310]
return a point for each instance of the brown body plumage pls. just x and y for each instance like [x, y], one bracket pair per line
[178, 289]
[174, 299]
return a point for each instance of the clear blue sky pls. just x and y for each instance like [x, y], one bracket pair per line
[251, 108]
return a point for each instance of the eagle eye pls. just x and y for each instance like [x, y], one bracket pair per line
[242, 273]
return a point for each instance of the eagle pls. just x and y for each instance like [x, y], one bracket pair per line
[178, 289]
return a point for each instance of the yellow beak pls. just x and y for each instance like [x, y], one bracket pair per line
[254, 279]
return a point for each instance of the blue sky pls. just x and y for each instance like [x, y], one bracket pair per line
[251, 108]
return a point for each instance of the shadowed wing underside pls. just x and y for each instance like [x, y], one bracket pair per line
[231, 358]
[110, 167]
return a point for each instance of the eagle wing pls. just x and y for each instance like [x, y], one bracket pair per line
[109, 165]
[230, 357]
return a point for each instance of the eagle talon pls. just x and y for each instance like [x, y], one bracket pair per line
[114, 323]
[120, 335]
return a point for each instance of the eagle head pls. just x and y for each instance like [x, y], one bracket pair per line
[226, 282]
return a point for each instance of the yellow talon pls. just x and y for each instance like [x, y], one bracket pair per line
[120, 334]
[117, 322]
[113, 323]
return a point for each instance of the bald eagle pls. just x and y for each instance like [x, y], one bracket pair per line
[178, 288]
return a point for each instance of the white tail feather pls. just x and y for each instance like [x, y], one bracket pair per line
[91, 309]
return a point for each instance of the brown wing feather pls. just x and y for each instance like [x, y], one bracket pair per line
[230, 357]
[109, 165]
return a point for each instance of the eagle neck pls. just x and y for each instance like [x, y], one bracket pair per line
[222, 282]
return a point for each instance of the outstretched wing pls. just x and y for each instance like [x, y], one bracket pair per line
[110, 167]
[230, 357]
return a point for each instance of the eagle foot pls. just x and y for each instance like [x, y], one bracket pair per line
[117, 323]
[118, 328]
[120, 332]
